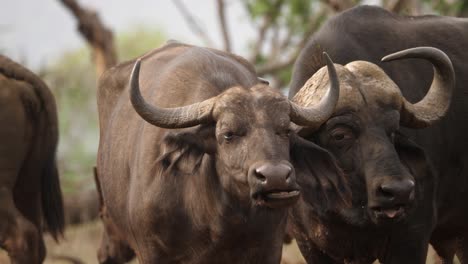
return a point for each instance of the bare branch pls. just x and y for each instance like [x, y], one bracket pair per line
[339, 5]
[192, 23]
[261, 38]
[286, 40]
[274, 67]
[398, 6]
[267, 22]
[275, 44]
[98, 36]
[223, 24]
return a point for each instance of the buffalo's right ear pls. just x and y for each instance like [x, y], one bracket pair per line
[200, 138]
[183, 150]
[323, 184]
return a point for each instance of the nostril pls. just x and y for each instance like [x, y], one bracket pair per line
[401, 191]
[259, 175]
[288, 173]
[387, 192]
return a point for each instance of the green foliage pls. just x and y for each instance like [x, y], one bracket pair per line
[286, 24]
[294, 15]
[448, 7]
[137, 41]
[73, 81]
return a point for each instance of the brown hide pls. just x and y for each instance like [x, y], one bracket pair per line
[211, 193]
[30, 196]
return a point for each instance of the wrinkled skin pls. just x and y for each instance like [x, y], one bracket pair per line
[434, 156]
[30, 195]
[200, 194]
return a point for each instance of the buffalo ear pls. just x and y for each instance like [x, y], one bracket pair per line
[200, 138]
[323, 184]
[412, 156]
[183, 150]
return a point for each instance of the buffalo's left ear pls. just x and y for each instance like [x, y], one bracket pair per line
[323, 184]
[412, 156]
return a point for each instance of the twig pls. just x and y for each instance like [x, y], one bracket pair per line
[223, 24]
[275, 44]
[192, 23]
[274, 67]
[340, 5]
[261, 38]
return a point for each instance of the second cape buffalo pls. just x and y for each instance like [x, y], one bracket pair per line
[406, 181]
[201, 166]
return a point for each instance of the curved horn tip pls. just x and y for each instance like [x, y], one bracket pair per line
[327, 58]
[136, 66]
[385, 58]
[135, 74]
[413, 51]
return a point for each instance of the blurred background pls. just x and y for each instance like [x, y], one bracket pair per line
[69, 43]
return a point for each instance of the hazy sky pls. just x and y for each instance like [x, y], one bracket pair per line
[37, 31]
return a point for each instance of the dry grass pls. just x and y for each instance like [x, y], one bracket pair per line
[82, 242]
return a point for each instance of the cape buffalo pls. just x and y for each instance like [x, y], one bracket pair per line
[372, 149]
[30, 195]
[207, 175]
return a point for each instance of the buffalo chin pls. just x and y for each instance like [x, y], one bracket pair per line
[276, 199]
[388, 215]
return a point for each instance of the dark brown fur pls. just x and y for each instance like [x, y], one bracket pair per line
[182, 196]
[370, 33]
[30, 195]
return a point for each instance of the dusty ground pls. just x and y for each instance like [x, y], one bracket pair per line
[82, 242]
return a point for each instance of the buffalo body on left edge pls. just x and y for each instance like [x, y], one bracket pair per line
[30, 195]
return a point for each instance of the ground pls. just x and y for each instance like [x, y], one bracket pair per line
[81, 243]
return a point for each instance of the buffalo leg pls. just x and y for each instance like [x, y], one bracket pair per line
[444, 252]
[314, 255]
[414, 251]
[18, 236]
[444, 247]
[462, 250]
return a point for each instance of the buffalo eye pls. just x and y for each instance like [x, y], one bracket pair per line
[341, 136]
[228, 136]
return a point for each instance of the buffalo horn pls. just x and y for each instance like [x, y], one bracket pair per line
[178, 117]
[437, 100]
[313, 117]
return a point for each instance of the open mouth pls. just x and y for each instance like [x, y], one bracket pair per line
[390, 212]
[277, 198]
[282, 194]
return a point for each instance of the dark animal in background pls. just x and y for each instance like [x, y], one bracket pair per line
[30, 195]
[435, 157]
[205, 173]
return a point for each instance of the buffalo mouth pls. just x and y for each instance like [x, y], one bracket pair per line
[276, 198]
[389, 213]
